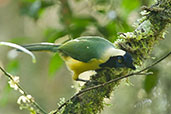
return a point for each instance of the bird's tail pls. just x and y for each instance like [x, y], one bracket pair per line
[42, 47]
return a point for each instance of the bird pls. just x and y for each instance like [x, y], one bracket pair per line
[87, 53]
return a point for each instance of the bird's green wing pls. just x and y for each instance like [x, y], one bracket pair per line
[86, 48]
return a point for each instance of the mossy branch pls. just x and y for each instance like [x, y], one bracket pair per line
[150, 29]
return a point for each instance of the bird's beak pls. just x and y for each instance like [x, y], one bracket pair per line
[132, 67]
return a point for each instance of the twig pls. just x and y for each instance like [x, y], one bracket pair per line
[24, 92]
[113, 80]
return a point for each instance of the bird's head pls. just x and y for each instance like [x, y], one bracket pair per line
[120, 61]
[128, 61]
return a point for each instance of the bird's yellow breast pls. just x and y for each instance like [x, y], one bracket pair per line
[79, 67]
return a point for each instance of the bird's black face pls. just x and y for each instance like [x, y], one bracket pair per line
[128, 62]
[120, 61]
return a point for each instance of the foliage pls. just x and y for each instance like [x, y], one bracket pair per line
[106, 18]
[151, 80]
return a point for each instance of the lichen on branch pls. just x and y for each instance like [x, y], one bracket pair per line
[149, 30]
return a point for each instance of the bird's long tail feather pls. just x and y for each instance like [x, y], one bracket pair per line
[42, 47]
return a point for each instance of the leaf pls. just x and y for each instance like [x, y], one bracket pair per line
[151, 80]
[79, 25]
[20, 48]
[55, 63]
[34, 8]
[110, 30]
[19, 40]
[53, 34]
[13, 66]
[5, 95]
[128, 7]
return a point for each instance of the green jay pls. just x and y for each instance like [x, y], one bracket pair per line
[87, 53]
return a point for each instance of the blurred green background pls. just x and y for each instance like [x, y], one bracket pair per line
[31, 21]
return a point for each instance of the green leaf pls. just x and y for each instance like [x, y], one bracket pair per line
[151, 80]
[19, 40]
[83, 20]
[13, 66]
[79, 25]
[130, 5]
[101, 1]
[20, 48]
[5, 94]
[111, 29]
[53, 34]
[34, 8]
[55, 63]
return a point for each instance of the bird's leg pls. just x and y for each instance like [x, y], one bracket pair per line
[76, 78]
[82, 80]
[90, 81]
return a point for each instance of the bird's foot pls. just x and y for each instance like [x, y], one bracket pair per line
[82, 80]
[90, 81]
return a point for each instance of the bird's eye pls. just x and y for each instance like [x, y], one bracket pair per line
[120, 59]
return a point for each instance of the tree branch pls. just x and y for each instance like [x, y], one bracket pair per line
[23, 92]
[113, 80]
[150, 29]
